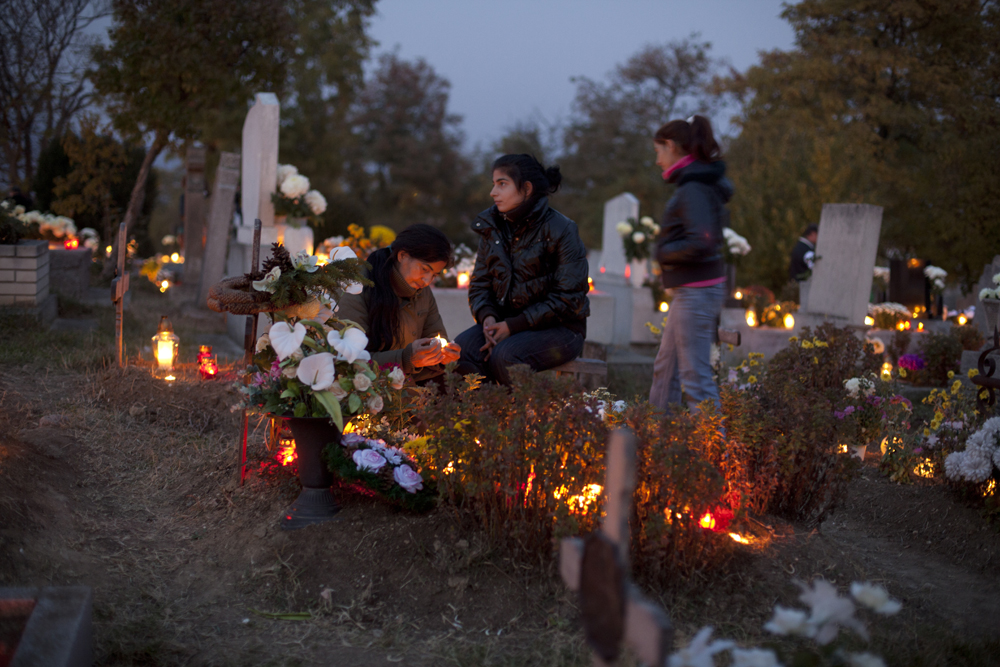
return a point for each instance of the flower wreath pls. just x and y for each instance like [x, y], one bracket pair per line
[387, 470]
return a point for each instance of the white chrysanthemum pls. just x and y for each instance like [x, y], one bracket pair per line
[987, 293]
[953, 465]
[852, 386]
[935, 272]
[284, 171]
[875, 598]
[647, 222]
[864, 660]
[882, 272]
[700, 651]
[754, 657]
[829, 611]
[977, 466]
[638, 237]
[623, 228]
[316, 202]
[295, 186]
[996, 279]
[789, 622]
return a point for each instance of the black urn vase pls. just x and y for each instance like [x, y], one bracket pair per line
[315, 503]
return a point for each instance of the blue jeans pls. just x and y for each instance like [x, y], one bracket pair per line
[543, 349]
[686, 348]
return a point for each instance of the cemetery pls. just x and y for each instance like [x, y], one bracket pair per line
[202, 462]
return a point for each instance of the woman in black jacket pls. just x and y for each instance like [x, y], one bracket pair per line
[528, 291]
[689, 252]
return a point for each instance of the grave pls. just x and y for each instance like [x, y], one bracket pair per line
[219, 222]
[907, 284]
[611, 277]
[841, 281]
[24, 279]
[194, 212]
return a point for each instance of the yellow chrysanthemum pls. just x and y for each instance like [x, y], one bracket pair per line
[927, 433]
[815, 360]
[807, 345]
[973, 372]
[752, 379]
[793, 339]
[381, 236]
[951, 374]
[955, 387]
[902, 372]
[820, 343]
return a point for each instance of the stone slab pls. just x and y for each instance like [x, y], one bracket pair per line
[7, 276]
[25, 288]
[220, 219]
[24, 263]
[260, 160]
[32, 276]
[59, 631]
[7, 250]
[31, 248]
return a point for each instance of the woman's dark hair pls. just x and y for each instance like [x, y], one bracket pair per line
[423, 242]
[694, 136]
[524, 168]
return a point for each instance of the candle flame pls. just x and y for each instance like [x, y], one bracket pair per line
[869, 320]
[286, 451]
[736, 537]
[463, 279]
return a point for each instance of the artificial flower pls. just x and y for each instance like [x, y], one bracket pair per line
[875, 598]
[362, 382]
[700, 651]
[341, 253]
[316, 202]
[408, 478]
[267, 283]
[338, 392]
[353, 439]
[788, 622]
[397, 377]
[754, 657]
[829, 611]
[286, 339]
[262, 343]
[647, 222]
[295, 186]
[303, 260]
[368, 460]
[375, 404]
[350, 344]
[317, 371]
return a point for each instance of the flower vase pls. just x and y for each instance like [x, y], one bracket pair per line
[298, 236]
[315, 503]
[991, 311]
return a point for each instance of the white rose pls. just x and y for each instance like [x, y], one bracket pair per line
[408, 478]
[316, 202]
[638, 237]
[375, 404]
[397, 377]
[647, 222]
[623, 228]
[295, 186]
[362, 382]
[338, 392]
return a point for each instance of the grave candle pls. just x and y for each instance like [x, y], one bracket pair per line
[463, 280]
[165, 348]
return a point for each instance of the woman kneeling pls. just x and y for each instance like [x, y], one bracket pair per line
[398, 312]
[528, 291]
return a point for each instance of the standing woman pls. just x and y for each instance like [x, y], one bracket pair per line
[689, 252]
[528, 291]
[398, 311]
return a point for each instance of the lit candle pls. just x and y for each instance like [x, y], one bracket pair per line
[463, 280]
[443, 342]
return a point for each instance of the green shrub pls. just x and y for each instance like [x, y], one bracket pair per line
[969, 336]
[943, 353]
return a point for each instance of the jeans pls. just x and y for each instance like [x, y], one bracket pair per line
[543, 349]
[686, 348]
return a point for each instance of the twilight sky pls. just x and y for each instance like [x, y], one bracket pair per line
[512, 60]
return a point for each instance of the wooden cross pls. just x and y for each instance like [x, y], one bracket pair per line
[119, 286]
[613, 611]
[249, 343]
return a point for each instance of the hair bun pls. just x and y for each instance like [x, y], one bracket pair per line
[554, 177]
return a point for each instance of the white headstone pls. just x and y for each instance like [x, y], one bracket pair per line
[841, 281]
[613, 263]
[260, 160]
[220, 218]
[985, 280]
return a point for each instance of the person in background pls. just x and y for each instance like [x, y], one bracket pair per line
[689, 252]
[398, 312]
[528, 291]
[803, 255]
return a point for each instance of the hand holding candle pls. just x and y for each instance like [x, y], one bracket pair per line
[450, 351]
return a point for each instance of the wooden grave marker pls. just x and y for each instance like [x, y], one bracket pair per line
[119, 286]
[613, 611]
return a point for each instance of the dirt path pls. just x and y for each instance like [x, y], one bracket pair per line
[135, 496]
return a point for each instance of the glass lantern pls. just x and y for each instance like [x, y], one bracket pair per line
[165, 350]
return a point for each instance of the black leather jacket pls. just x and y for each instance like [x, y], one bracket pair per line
[531, 273]
[689, 248]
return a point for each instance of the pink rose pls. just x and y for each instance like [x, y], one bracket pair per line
[397, 378]
[368, 459]
[352, 439]
[408, 478]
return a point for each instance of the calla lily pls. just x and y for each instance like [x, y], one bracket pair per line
[317, 371]
[267, 283]
[304, 260]
[344, 252]
[285, 339]
[350, 344]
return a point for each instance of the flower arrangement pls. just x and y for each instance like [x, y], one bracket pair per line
[358, 241]
[294, 198]
[991, 293]
[936, 276]
[888, 315]
[736, 245]
[977, 462]
[636, 236]
[463, 262]
[872, 411]
[35, 224]
[388, 470]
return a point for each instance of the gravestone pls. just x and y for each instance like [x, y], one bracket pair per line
[258, 181]
[907, 283]
[194, 212]
[610, 276]
[841, 281]
[220, 219]
[985, 280]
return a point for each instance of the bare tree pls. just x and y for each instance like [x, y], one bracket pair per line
[44, 50]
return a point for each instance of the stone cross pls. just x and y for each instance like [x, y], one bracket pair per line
[613, 611]
[841, 281]
[220, 218]
[119, 286]
[194, 212]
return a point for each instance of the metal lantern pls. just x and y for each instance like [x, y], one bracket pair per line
[165, 349]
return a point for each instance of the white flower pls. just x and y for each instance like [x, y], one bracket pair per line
[341, 253]
[647, 222]
[317, 371]
[699, 652]
[368, 460]
[953, 465]
[996, 279]
[618, 406]
[977, 465]
[316, 202]
[987, 293]
[875, 598]
[852, 387]
[864, 660]
[262, 343]
[338, 392]
[788, 622]
[829, 611]
[303, 260]
[638, 237]
[285, 339]
[882, 272]
[362, 382]
[284, 171]
[350, 345]
[397, 377]
[754, 657]
[169, 239]
[737, 244]
[375, 404]
[408, 478]
[935, 272]
[295, 186]
[623, 228]
[267, 283]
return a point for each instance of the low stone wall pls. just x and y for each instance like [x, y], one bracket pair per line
[24, 278]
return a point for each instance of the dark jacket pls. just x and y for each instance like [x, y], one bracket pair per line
[689, 248]
[801, 263]
[531, 273]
